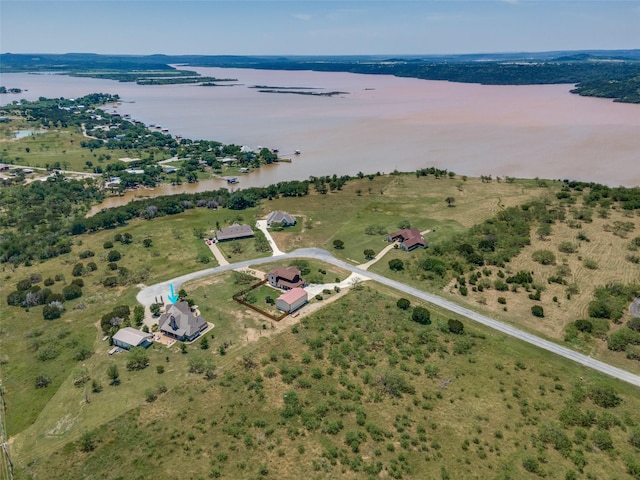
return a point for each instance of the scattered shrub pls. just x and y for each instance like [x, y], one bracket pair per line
[421, 315]
[396, 264]
[403, 303]
[544, 257]
[567, 247]
[43, 381]
[537, 311]
[455, 326]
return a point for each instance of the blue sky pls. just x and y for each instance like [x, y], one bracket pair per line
[329, 27]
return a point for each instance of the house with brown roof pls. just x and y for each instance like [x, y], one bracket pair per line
[234, 232]
[285, 278]
[408, 238]
[292, 300]
[180, 322]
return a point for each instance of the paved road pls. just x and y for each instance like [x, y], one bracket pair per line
[148, 294]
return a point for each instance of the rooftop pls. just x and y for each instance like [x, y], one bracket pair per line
[293, 295]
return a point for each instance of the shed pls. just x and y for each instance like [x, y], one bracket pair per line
[129, 337]
[292, 300]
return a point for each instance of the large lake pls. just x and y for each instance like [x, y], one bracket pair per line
[384, 123]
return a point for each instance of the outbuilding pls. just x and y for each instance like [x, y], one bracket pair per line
[292, 300]
[129, 337]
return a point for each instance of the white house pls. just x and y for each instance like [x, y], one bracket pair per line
[292, 300]
[129, 337]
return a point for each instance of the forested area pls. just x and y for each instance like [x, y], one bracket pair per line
[38, 218]
[624, 90]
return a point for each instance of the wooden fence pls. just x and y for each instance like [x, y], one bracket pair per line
[238, 298]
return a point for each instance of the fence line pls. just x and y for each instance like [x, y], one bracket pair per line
[238, 298]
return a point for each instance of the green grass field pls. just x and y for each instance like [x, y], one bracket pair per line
[387, 202]
[481, 405]
[357, 390]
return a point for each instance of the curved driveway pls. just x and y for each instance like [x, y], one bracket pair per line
[147, 295]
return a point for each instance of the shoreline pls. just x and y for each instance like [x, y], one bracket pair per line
[388, 123]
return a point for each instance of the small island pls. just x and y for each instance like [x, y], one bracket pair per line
[4, 89]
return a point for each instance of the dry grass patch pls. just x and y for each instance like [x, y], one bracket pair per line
[388, 201]
[607, 250]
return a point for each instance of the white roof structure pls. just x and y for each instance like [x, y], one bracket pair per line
[131, 336]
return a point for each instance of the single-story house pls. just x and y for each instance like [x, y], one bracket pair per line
[129, 337]
[135, 171]
[278, 216]
[285, 278]
[292, 300]
[181, 323]
[113, 182]
[234, 232]
[409, 239]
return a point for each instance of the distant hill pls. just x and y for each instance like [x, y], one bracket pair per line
[591, 70]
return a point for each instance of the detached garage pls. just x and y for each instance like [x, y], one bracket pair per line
[129, 337]
[292, 300]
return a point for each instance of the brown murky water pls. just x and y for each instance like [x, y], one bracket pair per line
[383, 123]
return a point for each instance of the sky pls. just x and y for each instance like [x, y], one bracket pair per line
[307, 27]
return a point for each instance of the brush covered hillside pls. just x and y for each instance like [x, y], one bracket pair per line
[499, 245]
[357, 390]
[363, 387]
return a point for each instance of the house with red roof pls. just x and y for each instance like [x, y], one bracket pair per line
[292, 300]
[285, 278]
[408, 238]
